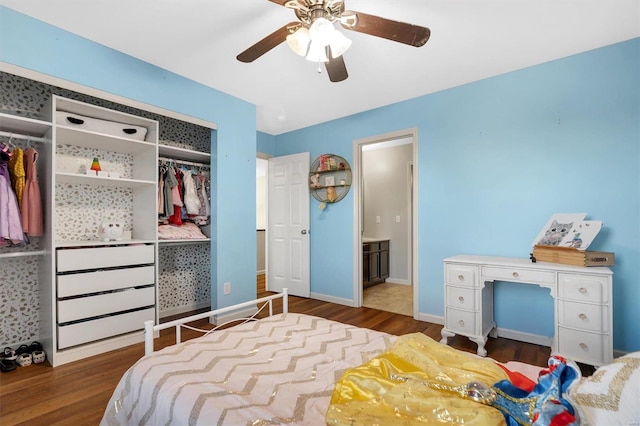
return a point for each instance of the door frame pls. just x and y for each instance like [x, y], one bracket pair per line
[264, 156]
[357, 213]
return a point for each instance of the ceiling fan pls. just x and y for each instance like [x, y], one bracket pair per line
[316, 38]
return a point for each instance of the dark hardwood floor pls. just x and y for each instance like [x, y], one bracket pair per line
[77, 393]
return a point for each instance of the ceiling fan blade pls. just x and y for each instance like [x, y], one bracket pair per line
[336, 69]
[401, 32]
[268, 43]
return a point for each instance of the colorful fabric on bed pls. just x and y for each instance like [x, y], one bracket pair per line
[412, 383]
[277, 370]
[420, 381]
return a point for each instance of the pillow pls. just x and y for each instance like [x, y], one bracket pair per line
[611, 395]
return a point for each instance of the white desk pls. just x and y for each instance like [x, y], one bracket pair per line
[583, 304]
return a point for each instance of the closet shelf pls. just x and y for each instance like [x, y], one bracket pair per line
[22, 254]
[184, 241]
[23, 125]
[76, 178]
[89, 139]
[184, 154]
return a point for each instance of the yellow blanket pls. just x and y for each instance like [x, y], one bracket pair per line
[414, 382]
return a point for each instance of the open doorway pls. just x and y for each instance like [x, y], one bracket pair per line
[262, 165]
[384, 198]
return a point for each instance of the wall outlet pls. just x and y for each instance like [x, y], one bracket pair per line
[377, 219]
[227, 288]
[397, 219]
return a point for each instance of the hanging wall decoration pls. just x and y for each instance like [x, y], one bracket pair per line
[329, 179]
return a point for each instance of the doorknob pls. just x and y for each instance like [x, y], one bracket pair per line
[303, 232]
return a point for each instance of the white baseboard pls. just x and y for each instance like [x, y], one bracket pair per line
[392, 280]
[231, 316]
[332, 299]
[520, 336]
[264, 271]
[184, 309]
[434, 319]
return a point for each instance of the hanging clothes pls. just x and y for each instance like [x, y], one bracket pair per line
[161, 171]
[176, 194]
[17, 173]
[31, 200]
[205, 206]
[191, 200]
[10, 226]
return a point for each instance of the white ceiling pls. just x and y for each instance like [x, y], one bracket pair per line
[470, 40]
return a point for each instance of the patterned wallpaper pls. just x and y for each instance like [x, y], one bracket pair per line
[184, 271]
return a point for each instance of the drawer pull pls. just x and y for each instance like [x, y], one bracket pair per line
[582, 316]
[583, 290]
[461, 299]
[516, 275]
[584, 346]
[461, 277]
[461, 322]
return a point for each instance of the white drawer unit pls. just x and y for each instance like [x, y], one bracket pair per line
[462, 298]
[78, 259]
[583, 316]
[102, 328]
[518, 274]
[583, 305]
[583, 288]
[103, 292]
[463, 275]
[104, 304]
[462, 322]
[99, 281]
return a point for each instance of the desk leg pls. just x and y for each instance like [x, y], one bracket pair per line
[445, 336]
[481, 341]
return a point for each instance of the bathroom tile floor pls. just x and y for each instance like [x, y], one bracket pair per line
[397, 298]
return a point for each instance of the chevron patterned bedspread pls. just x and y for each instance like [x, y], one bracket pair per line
[278, 370]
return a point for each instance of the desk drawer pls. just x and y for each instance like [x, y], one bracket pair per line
[461, 298]
[101, 328]
[461, 275]
[517, 275]
[583, 346]
[103, 257]
[94, 282]
[583, 288]
[461, 322]
[102, 304]
[583, 316]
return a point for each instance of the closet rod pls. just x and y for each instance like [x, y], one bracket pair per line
[21, 136]
[186, 163]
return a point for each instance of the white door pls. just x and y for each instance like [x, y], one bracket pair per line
[288, 224]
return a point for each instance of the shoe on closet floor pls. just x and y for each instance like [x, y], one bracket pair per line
[38, 355]
[7, 360]
[23, 356]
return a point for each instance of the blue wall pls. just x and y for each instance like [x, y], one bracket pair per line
[34, 45]
[266, 143]
[496, 159]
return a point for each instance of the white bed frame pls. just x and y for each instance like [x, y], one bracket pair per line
[151, 330]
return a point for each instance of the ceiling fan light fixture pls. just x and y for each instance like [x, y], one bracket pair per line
[317, 52]
[339, 44]
[299, 41]
[321, 31]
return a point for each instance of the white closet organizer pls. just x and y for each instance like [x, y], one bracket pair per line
[102, 291]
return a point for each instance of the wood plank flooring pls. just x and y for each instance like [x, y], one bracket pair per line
[77, 393]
